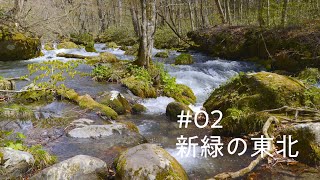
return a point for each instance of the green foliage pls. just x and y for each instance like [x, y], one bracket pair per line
[163, 54]
[50, 74]
[183, 59]
[16, 142]
[82, 39]
[310, 75]
[112, 45]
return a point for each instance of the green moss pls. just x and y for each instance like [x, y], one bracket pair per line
[104, 57]
[32, 96]
[119, 103]
[67, 45]
[163, 54]
[48, 46]
[139, 87]
[7, 85]
[184, 59]
[87, 102]
[174, 109]
[16, 111]
[18, 45]
[112, 45]
[89, 47]
[133, 50]
[310, 75]
[309, 150]
[138, 108]
[131, 126]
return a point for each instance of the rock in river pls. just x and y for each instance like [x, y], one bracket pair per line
[96, 131]
[80, 167]
[148, 161]
[16, 162]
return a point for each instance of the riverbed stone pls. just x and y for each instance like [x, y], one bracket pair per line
[138, 108]
[96, 131]
[163, 54]
[79, 167]
[148, 161]
[174, 109]
[16, 163]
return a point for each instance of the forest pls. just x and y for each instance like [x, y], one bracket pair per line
[98, 89]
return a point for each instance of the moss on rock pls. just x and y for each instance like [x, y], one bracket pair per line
[174, 109]
[112, 45]
[310, 75]
[48, 46]
[117, 102]
[163, 54]
[243, 98]
[7, 85]
[104, 57]
[147, 161]
[67, 45]
[138, 108]
[139, 87]
[133, 50]
[16, 45]
[183, 59]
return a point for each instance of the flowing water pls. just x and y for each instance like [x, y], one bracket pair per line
[202, 76]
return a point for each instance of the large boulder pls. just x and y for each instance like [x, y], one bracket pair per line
[16, 163]
[117, 102]
[18, 45]
[79, 167]
[148, 161]
[67, 45]
[174, 109]
[243, 98]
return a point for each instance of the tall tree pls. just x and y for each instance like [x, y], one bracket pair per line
[284, 13]
[148, 28]
[221, 12]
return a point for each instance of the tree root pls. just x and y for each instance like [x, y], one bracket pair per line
[254, 163]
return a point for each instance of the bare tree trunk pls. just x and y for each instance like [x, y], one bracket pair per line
[260, 18]
[268, 12]
[191, 15]
[135, 18]
[148, 28]
[284, 13]
[228, 12]
[17, 9]
[101, 16]
[120, 12]
[221, 12]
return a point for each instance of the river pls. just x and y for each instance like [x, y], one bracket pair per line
[202, 77]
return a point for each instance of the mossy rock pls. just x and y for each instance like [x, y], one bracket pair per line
[16, 111]
[67, 45]
[7, 85]
[33, 96]
[310, 75]
[90, 47]
[183, 59]
[148, 161]
[104, 57]
[308, 143]
[112, 45]
[139, 87]
[242, 99]
[117, 102]
[133, 50]
[138, 109]
[48, 46]
[183, 94]
[174, 109]
[18, 45]
[257, 92]
[163, 54]
[124, 48]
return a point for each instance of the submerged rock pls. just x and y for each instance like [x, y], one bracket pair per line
[16, 163]
[174, 109]
[104, 57]
[96, 131]
[78, 167]
[183, 59]
[76, 56]
[18, 45]
[148, 161]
